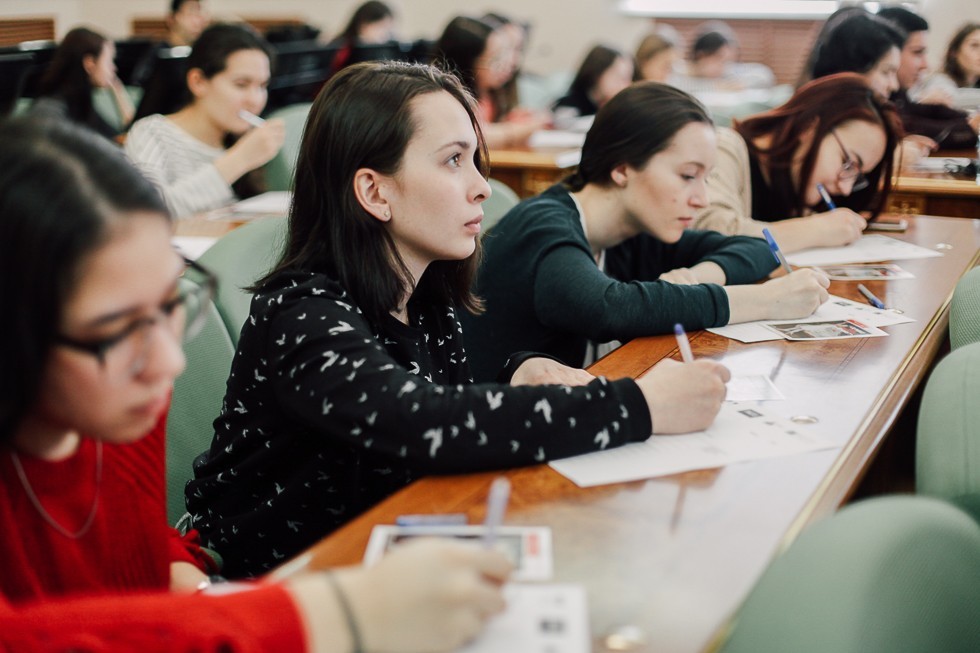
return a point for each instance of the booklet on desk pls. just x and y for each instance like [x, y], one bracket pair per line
[272, 203]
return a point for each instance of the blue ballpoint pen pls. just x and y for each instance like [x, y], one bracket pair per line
[826, 197]
[776, 253]
[870, 296]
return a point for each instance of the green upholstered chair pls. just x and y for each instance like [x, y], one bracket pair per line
[196, 402]
[964, 312]
[279, 171]
[895, 574]
[239, 258]
[948, 434]
[502, 199]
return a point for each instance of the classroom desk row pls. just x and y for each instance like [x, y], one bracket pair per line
[529, 171]
[666, 562]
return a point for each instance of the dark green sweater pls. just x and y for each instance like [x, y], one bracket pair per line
[545, 293]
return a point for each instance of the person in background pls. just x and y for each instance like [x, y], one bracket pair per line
[518, 33]
[862, 44]
[201, 157]
[713, 63]
[187, 19]
[83, 62]
[607, 256]
[656, 57]
[88, 356]
[960, 75]
[351, 378]
[481, 54]
[604, 72]
[834, 131]
[931, 115]
[372, 23]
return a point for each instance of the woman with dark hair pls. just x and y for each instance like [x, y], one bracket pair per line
[607, 256]
[960, 74]
[604, 72]
[351, 379]
[862, 44]
[372, 23]
[481, 53]
[201, 157]
[88, 356]
[83, 62]
[835, 132]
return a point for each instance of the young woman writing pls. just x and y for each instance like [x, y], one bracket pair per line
[351, 379]
[88, 355]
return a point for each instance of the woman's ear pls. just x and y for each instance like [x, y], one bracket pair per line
[369, 189]
[197, 83]
[619, 175]
[88, 64]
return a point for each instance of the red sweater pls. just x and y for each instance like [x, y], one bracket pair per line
[128, 551]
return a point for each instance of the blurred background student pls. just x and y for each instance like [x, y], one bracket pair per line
[207, 154]
[713, 63]
[864, 44]
[83, 62]
[931, 114]
[604, 72]
[186, 21]
[372, 23]
[656, 57]
[481, 53]
[835, 132]
[960, 75]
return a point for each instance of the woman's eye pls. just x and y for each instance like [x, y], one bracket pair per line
[454, 160]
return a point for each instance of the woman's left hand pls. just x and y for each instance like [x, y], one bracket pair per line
[545, 371]
[681, 277]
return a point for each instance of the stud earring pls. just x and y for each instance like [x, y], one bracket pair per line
[387, 214]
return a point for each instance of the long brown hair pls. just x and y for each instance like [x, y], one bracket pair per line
[951, 66]
[363, 119]
[817, 108]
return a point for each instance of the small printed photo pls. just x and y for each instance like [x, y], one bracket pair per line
[509, 544]
[748, 412]
[830, 330]
[866, 272]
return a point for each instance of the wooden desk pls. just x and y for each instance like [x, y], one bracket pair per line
[526, 170]
[675, 556]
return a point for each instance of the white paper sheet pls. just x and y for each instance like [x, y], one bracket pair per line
[274, 202]
[192, 246]
[866, 249]
[556, 138]
[538, 619]
[754, 387]
[742, 431]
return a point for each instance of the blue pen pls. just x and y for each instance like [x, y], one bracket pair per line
[870, 296]
[826, 197]
[776, 253]
[683, 344]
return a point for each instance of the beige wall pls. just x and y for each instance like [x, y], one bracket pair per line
[563, 30]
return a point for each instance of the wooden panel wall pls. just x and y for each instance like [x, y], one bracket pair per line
[17, 30]
[156, 28]
[783, 45]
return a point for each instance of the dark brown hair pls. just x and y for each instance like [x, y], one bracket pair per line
[363, 119]
[66, 76]
[951, 66]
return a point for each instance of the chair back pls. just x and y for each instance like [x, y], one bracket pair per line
[502, 199]
[239, 258]
[196, 402]
[279, 171]
[964, 311]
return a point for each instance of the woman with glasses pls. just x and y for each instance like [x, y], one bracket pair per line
[608, 255]
[89, 348]
[834, 133]
[480, 52]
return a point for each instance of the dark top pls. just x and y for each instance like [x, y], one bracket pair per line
[544, 291]
[578, 100]
[56, 107]
[768, 205]
[933, 120]
[326, 414]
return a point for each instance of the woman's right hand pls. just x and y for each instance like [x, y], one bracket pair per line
[255, 148]
[425, 595]
[837, 228]
[684, 397]
[795, 295]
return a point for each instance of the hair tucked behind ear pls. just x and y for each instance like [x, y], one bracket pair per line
[61, 187]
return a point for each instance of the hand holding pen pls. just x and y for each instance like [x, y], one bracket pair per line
[776, 252]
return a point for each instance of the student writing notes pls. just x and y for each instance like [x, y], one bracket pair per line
[351, 378]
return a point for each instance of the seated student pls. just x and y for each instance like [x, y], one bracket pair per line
[480, 53]
[351, 379]
[656, 57]
[862, 44]
[372, 23]
[185, 22]
[88, 354]
[83, 62]
[835, 132]
[607, 255]
[604, 72]
[518, 34]
[713, 64]
[930, 115]
[961, 69]
[201, 156]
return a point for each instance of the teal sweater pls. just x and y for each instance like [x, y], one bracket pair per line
[543, 291]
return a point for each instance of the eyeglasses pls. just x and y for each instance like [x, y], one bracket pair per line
[183, 316]
[850, 168]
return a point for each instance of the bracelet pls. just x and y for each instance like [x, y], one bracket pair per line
[355, 633]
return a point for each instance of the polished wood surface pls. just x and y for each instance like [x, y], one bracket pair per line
[528, 171]
[675, 556]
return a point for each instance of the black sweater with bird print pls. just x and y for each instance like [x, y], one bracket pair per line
[327, 413]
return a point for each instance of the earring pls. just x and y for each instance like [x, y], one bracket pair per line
[387, 213]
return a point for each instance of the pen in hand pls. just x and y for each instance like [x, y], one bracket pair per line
[826, 197]
[776, 252]
[683, 344]
[250, 118]
[870, 296]
[496, 507]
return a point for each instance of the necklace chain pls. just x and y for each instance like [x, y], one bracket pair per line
[45, 515]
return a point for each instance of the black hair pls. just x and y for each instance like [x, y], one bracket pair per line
[597, 61]
[709, 43]
[905, 19]
[221, 40]
[363, 119]
[856, 45]
[66, 76]
[371, 11]
[460, 46]
[631, 128]
[175, 5]
[62, 187]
